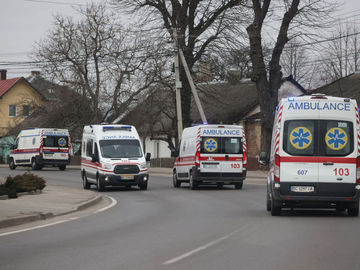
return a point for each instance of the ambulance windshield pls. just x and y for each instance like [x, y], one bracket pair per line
[221, 145]
[120, 149]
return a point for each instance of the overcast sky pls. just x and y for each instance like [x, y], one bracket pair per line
[23, 22]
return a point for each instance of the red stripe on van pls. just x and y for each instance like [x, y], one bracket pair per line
[318, 159]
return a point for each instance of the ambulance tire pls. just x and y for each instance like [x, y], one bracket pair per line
[143, 185]
[176, 182]
[12, 165]
[62, 168]
[353, 209]
[275, 207]
[99, 185]
[239, 185]
[86, 184]
[34, 165]
[268, 202]
[192, 183]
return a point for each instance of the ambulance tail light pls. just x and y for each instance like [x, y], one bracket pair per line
[358, 170]
[41, 150]
[244, 160]
[197, 158]
[277, 169]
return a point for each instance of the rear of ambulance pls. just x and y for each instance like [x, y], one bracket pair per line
[221, 155]
[316, 154]
[55, 147]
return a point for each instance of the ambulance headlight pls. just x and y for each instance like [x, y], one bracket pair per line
[107, 166]
[143, 166]
[357, 187]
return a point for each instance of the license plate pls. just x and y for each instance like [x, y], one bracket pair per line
[127, 177]
[302, 188]
[210, 166]
[49, 154]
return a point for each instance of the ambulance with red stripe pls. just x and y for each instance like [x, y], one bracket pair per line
[38, 147]
[315, 155]
[112, 155]
[211, 154]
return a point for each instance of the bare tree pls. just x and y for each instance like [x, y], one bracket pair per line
[293, 19]
[341, 55]
[198, 24]
[97, 57]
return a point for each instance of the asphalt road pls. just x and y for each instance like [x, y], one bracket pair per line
[168, 228]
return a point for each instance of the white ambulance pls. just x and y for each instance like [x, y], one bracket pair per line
[37, 147]
[211, 154]
[111, 155]
[315, 155]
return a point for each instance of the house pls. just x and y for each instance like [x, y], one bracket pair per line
[18, 98]
[344, 87]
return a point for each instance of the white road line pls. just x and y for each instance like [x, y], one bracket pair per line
[201, 248]
[113, 203]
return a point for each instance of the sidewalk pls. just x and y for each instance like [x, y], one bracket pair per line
[52, 201]
[58, 200]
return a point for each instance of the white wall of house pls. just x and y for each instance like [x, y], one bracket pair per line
[157, 148]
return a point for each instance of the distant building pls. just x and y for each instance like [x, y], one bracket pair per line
[18, 98]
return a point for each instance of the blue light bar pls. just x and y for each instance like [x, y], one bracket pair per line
[109, 128]
[291, 98]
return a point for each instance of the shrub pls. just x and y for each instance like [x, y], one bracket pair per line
[21, 183]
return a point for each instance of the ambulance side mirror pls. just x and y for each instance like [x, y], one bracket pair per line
[174, 152]
[94, 158]
[263, 159]
[13, 146]
[148, 156]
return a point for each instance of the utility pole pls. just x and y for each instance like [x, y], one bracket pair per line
[178, 85]
[193, 88]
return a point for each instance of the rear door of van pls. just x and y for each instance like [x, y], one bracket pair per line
[337, 147]
[298, 147]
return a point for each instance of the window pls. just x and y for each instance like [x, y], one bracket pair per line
[318, 137]
[12, 110]
[26, 110]
[55, 141]
[120, 149]
[89, 148]
[221, 145]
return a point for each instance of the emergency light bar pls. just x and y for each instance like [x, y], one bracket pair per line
[109, 128]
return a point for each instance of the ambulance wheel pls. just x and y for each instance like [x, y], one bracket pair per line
[176, 182]
[353, 209]
[12, 165]
[239, 185]
[34, 165]
[62, 168]
[143, 185]
[275, 207]
[86, 184]
[99, 185]
[192, 183]
[268, 202]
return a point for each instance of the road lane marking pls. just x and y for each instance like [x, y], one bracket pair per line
[201, 248]
[113, 203]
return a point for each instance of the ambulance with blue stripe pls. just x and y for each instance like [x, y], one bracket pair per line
[211, 154]
[112, 155]
[39, 147]
[315, 155]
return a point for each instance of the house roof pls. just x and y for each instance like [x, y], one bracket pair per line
[7, 85]
[344, 87]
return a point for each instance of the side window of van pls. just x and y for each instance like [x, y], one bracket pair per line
[299, 137]
[89, 147]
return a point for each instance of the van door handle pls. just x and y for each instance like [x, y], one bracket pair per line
[328, 163]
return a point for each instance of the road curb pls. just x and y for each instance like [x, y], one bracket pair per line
[43, 216]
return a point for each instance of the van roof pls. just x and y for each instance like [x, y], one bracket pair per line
[315, 97]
